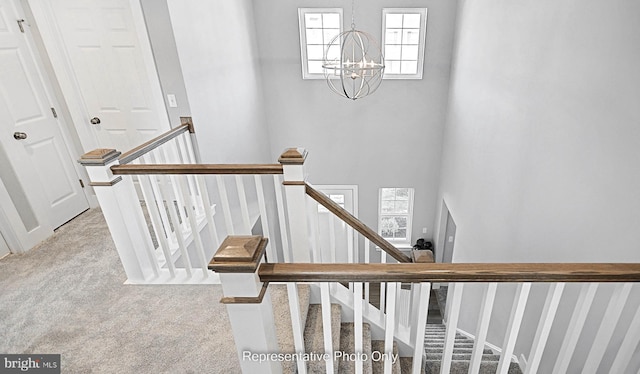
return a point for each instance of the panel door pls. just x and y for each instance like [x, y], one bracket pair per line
[96, 46]
[38, 172]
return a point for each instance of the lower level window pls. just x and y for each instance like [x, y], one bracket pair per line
[395, 214]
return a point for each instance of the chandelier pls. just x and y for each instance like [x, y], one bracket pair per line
[353, 63]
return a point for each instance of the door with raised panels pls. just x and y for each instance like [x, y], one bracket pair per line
[102, 57]
[40, 186]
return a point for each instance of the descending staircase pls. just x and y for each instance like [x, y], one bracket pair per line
[462, 348]
[342, 333]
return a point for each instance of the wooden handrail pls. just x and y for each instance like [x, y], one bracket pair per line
[197, 169]
[152, 144]
[356, 224]
[448, 272]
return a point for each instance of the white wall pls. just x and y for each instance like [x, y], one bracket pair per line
[163, 44]
[541, 148]
[216, 46]
[392, 138]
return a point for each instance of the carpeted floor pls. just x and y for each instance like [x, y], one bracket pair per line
[67, 296]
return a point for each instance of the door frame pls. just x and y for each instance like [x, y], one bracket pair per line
[42, 13]
[8, 212]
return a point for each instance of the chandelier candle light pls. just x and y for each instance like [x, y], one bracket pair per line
[353, 63]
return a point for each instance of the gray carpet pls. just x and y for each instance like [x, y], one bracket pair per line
[67, 296]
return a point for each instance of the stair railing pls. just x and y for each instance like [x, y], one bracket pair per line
[618, 279]
[167, 213]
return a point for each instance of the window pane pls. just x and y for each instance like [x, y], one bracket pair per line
[402, 207]
[315, 67]
[391, 67]
[410, 52]
[314, 36]
[387, 206]
[330, 34]
[388, 227]
[394, 21]
[313, 20]
[401, 222]
[333, 52]
[402, 193]
[392, 52]
[331, 21]
[388, 193]
[409, 67]
[393, 36]
[315, 52]
[411, 36]
[400, 234]
[411, 21]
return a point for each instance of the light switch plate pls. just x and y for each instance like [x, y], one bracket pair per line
[171, 98]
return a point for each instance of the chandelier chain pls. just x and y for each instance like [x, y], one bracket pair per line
[353, 20]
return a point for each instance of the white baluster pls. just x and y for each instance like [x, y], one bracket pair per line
[314, 223]
[264, 219]
[383, 260]
[177, 229]
[418, 325]
[607, 326]
[282, 219]
[488, 299]
[513, 327]
[224, 201]
[357, 324]
[544, 327]
[332, 238]
[296, 324]
[195, 232]
[367, 254]
[208, 211]
[627, 348]
[578, 318]
[389, 326]
[160, 201]
[326, 324]
[454, 299]
[244, 207]
[158, 227]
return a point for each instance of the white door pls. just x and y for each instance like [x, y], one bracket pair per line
[41, 189]
[337, 239]
[102, 57]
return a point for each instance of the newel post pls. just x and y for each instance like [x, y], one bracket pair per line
[248, 302]
[123, 213]
[292, 161]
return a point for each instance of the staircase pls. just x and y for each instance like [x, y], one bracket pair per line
[462, 348]
[342, 333]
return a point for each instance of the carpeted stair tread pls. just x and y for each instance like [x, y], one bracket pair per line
[462, 356]
[282, 319]
[462, 351]
[468, 350]
[314, 336]
[347, 345]
[462, 367]
[378, 366]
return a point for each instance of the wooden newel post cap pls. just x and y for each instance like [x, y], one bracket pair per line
[422, 256]
[293, 156]
[99, 157]
[239, 254]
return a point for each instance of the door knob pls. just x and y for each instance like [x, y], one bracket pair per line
[95, 120]
[19, 135]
